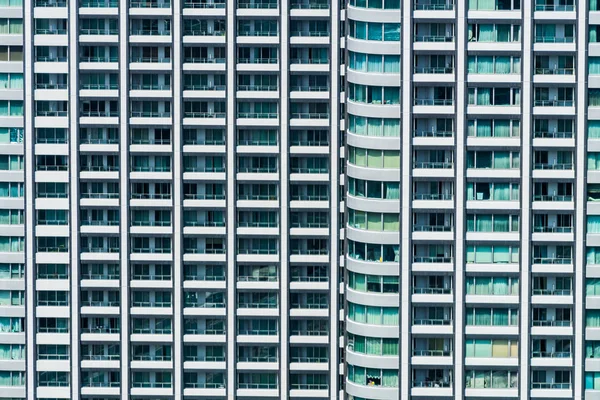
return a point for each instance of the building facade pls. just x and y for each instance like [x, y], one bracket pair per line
[188, 194]
[170, 185]
[490, 290]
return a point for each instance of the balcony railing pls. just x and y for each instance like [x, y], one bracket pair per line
[150, 114]
[204, 331]
[98, 31]
[306, 60]
[265, 60]
[432, 353]
[553, 229]
[100, 59]
[92, 276]
[269, 305]
[432, 196]
[203, 60]
[256, 115]
[552, 135]
[153, 304]
[544, 322]
[149, 4]
[550, 385]
[542, 197]
[553, 39]
[99, 303]
[433, 5]
[99, 3]
[433, 134]
[203, 114]
[310, 306]
[270, 88]
[152, 331]
[554, 7]
[257, 385]
[554, 166]
[433, 259]
[309, 115]
[552, 260]
[554, 71]
[309, 332]
[258, 332]
[551, 354]
[257, 4]
[431, 384]
[203, 4]
[50, 3]
[433, 164]
[149, 32]
[100, 329]
[432, 321]
[434, 38]
[431, 290]
[433, 102]
[309, 5]
[431, 228]
[553, 103]
[434, 70]
[101, 357]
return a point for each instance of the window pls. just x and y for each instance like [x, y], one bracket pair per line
[11, 135]
[374, 158]
[492, 223]
[373, 315]
[494, 5]
[377, 4]
[494, 285]
[481, 96]
[366, 126]
[373, 283]
[492, 191]
[11, 26]
[487, 33]
[492, 316]
[374, 31]
[491, 348]
[493, 159]
[492, 254]
[495, 379]
[494, 65]
[373, 252]
[11, 108]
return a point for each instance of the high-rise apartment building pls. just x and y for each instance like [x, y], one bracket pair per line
[303, 199]
[170, 199]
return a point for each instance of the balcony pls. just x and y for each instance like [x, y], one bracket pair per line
[431, 353]
[433, 39]
[149, 4]
[553, 39]
[551, 354]
[554, 71]
[553, 166]
[257, 4]
[432, 322]
[50, 3]
[553, 103]
[309, 5]
[554, 7]
[563, 198]
[551, 323]
[433, 5]
[204, 4]
[552, 135]
[99, 4]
